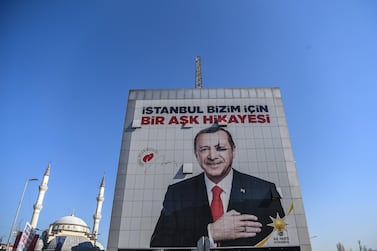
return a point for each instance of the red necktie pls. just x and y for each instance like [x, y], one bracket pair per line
[216, 204]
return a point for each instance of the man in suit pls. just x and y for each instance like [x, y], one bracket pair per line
[194, 208]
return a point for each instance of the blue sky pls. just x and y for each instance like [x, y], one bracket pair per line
[66, 68]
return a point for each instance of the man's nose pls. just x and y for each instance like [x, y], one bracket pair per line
[212, 154]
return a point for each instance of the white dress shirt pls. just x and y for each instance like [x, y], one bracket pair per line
[226, 186]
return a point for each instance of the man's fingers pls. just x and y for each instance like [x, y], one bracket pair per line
[247, 217]
[237, 220]
[245, 235]
[252, 229]
[252, 224]
[248, 226]
[232, 225]
[233, 213]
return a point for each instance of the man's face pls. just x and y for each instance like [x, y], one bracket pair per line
[214, 154]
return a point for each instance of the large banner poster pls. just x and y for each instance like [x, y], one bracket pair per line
[26, 238]
[215, 172]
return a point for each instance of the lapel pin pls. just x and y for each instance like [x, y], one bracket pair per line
[242, 190]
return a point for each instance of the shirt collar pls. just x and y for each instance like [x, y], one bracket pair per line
[225, 184]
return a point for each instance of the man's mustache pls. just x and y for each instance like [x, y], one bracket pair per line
[213, 162]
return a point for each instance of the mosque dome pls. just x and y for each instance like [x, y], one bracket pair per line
[70, 223]
[71, 219]
[71, 233]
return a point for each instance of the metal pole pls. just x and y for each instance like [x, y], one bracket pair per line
[18, 210]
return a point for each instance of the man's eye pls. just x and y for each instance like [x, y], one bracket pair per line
[202, 150]
[221, 148]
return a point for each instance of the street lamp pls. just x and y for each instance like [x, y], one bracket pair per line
[18, 210]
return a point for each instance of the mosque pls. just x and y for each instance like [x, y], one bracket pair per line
[68, 233]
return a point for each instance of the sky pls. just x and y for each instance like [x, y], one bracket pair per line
[66, 68]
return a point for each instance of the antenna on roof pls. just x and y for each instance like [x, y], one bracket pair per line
[198, 72]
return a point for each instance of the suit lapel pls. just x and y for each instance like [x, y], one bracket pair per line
[238, 192]
[201, 198]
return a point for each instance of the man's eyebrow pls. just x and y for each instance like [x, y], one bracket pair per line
[200, 147]
[219, 146]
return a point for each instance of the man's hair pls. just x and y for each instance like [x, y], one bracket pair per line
[213, 129]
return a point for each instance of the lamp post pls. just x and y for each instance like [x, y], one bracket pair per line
[18, 210]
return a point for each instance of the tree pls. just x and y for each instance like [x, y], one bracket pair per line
[340, 247]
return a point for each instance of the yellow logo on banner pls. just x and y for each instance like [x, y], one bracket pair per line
[278, 224]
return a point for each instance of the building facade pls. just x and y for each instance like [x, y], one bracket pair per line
[158, 151]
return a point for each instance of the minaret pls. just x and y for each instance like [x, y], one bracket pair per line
[39, 204]
[97, 216]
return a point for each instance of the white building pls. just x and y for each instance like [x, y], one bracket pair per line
[157, 151]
